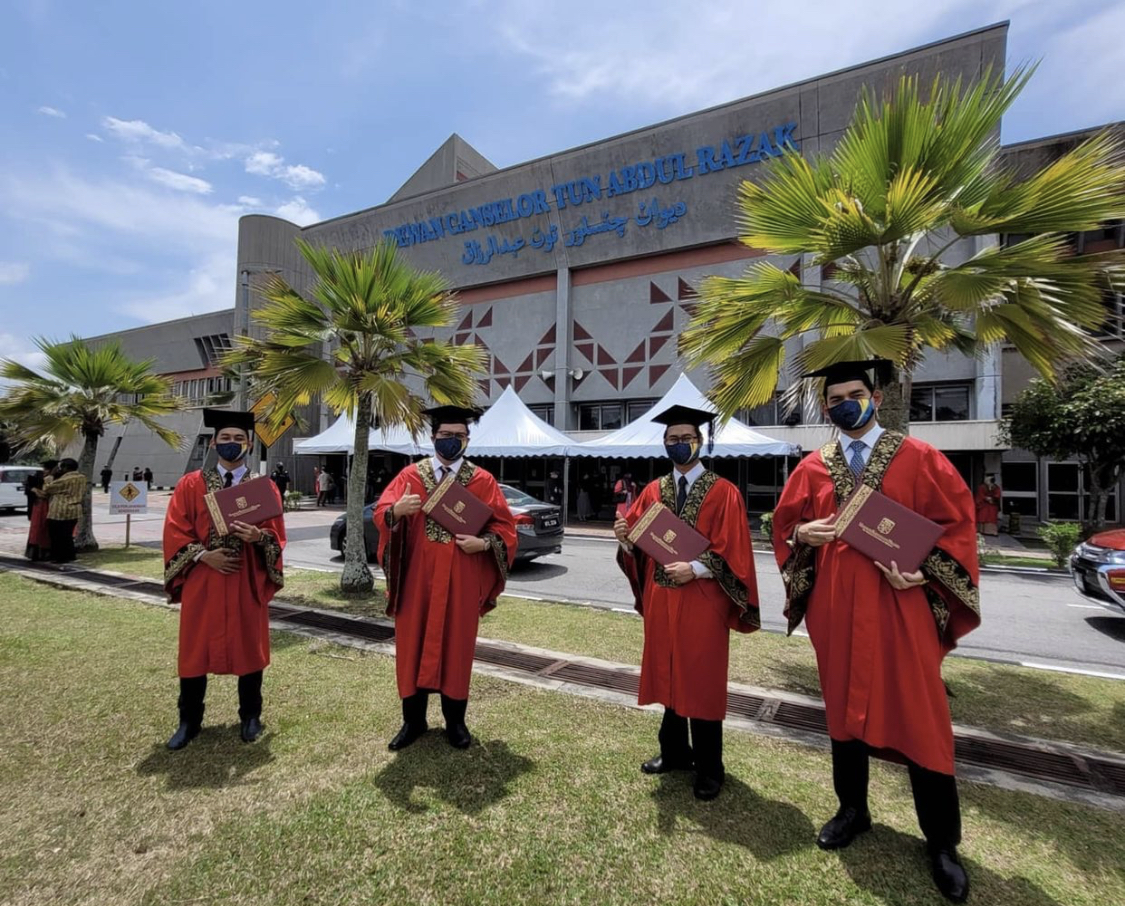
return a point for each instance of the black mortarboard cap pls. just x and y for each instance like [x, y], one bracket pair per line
[687, 415]
[451, 415]
[217, 419]
[844, 372]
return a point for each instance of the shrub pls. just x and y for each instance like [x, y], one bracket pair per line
[1061, 538]
[766, 526]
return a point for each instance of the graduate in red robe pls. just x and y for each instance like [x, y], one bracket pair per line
[438, 584]
[880, 635]
[689, 609]
[224, 584]
[988, 505]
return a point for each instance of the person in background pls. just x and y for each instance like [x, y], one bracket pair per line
[38, 540]
[554, 489]
[323, 487]
[138, 475]
[65, 494]
[585, 506]
[107, 477]
[988, 505]
[147, 477]
[624, 493]
[280, 478]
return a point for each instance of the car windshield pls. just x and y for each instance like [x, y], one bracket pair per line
[517, 497]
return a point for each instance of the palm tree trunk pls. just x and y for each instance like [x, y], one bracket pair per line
[894, 414]
[357, 580]
[84, 541]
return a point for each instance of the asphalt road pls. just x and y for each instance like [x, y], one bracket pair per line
[1037, 620]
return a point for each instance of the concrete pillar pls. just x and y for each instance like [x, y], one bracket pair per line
[988, 366]
[563, 321]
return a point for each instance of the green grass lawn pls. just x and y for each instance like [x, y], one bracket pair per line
[547, 807]
[1079, 709]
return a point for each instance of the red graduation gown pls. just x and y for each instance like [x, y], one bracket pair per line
[879, 651]
[988, 504]
[687, 627]
[224, 620]
[436, 592]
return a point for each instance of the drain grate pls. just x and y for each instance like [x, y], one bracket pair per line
[507, 657]
[360, 628]
[1027, 760]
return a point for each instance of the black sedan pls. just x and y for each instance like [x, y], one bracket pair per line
[538, 526]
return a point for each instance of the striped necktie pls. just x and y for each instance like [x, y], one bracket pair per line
[856, 460]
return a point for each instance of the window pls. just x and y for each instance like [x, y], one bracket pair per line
[211, 347]
[545, 412]
[940, 402]
[1020, 484]
[601, 416]
[634, 409]
[771, 414]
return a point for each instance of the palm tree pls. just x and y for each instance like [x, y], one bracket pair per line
[364, 309]
[81, 391]
[909, 180]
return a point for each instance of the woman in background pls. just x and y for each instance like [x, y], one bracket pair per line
[38, 541]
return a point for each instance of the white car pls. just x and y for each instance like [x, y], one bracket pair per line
[12, 493]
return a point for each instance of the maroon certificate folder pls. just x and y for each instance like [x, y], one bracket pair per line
[456, 510]
[875, 525]
[665, 537]
[252, 502]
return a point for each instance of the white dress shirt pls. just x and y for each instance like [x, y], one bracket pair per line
[692, 475]
[438, 465]
[869, 439]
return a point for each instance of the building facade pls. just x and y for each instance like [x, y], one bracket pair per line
[578, 271]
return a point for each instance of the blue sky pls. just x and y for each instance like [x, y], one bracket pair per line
[136, 133]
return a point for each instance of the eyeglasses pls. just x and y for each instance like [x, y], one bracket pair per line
[446, 435]
[685, 439]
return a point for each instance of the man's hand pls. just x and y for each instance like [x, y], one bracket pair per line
[250, 534]
[222, 561]
[680, 573]
[471, 544]
[818, 532]
[408, 504]
[621, 529]
[901, 581]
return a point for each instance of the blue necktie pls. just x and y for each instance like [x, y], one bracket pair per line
[856, 461]
[681, 497]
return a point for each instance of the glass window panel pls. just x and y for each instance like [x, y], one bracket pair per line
[951, 404]
[922, 404]
[1062, 506]
[1019, 476]
[1062, 477]
[588, 418]
[1025, 506]
[761, 470]
[611, 416]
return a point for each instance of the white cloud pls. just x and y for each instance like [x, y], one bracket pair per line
[210, 285]
[297, 211]
[52, 111]
[94, 138]
[298, 176]
[179, 181]
[250, 201]
[140, 131]
[720, 51]
[22, 350]
[14, 272]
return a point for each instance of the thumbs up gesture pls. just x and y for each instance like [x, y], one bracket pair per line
[408, 504]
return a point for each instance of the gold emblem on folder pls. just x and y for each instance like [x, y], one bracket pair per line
[886, 526]
[669, 536]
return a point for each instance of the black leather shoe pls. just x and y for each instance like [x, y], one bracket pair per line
[707, 788]
[848, 824]
[184, 734]
[662, 765]
[251, 729]
[459, 736]
[408, 734]
[949, 875]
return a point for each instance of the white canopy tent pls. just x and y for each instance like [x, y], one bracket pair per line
[645, 437]
[340, 436]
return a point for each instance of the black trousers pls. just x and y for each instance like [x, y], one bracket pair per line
[705, 746]
[935, 795]
[193, 690]
[61, 533]
[414, 708]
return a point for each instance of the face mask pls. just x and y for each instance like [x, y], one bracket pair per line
[850, 415]
[682, 454]
[450, 448]
[231, 452]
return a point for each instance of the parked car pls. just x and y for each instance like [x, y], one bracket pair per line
[538, 526]
[1098, 569]
[12, 493]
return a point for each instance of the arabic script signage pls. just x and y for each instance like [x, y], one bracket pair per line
[661, 171]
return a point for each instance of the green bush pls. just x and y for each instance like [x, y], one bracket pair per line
[766, 526]
[1061, 538]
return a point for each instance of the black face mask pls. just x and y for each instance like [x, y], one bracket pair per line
[450, 448]
[682, 454]
[231, 452]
